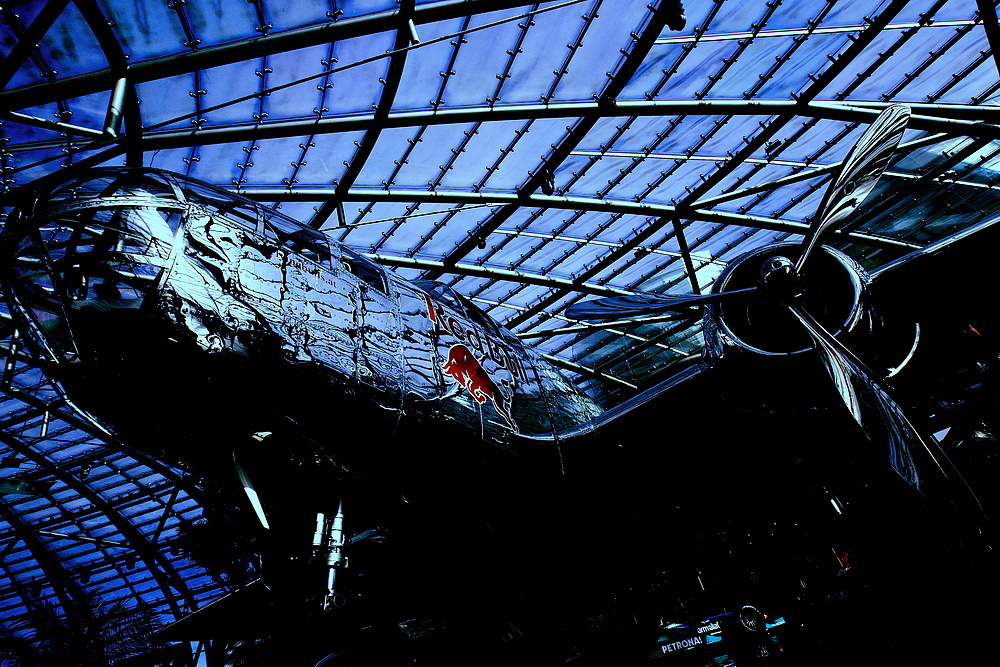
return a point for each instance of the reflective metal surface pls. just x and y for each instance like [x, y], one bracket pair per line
[143, 259]
[528, 157]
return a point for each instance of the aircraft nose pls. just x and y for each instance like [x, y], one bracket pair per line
[65, 268]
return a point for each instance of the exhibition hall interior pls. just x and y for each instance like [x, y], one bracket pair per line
[377, 333]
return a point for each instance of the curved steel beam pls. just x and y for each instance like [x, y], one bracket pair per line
[850, 112]
[54, 408]
[823, 170]
[988, 13]
[46, 124]
[585, 111]
[28, 42]
[587, 371]
[826, 30]
[615, 327]
[754, 144]
[566, 203]
[62, 584]
[474, 270]
[630, 64]
[118, 62]
[225, 54]
[158, 565]
[390, 87]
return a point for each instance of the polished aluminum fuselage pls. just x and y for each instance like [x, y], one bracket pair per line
[107, 271]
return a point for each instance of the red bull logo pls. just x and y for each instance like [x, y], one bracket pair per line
[466, 370]
[476, 340]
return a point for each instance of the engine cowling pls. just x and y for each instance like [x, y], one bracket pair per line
[833, 291]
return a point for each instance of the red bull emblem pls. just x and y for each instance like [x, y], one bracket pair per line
[478, 340]
[466, 370]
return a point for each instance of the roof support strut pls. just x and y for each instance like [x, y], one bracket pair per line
[630, 65]
[405, 30]
[988, 13]
[215, 56]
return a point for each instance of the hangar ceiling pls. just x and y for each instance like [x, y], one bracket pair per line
[530, 155]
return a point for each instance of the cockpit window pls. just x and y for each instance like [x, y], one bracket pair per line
[311, 248]
[459, 303]
[369, 272]
[300, 239]
[442, 293]
[222, 202]
[111, 184]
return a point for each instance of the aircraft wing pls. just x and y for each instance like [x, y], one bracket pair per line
[629, 405]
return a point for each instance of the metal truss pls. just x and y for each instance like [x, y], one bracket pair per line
[565, 203]
[217, 55]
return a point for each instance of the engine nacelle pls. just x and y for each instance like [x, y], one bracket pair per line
[832, 290]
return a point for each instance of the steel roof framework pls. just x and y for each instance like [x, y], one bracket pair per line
[672, 164]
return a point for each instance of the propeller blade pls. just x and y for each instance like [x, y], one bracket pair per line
[880, 417]
[858, 175]
[643, 304]
[251, 492]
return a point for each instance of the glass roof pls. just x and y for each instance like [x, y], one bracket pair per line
[529, 155]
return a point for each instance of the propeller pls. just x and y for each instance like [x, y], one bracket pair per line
[858, 175]
[880, 417]
[918, 461]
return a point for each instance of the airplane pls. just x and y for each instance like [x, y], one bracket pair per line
[197, 266]
[232, 340]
